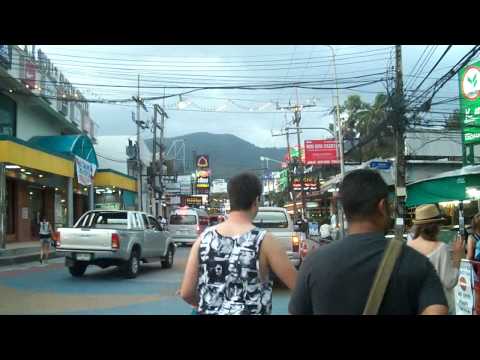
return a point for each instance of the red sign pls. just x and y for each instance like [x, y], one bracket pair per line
[320, 152]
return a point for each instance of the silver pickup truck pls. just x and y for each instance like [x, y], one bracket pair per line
[115, 238]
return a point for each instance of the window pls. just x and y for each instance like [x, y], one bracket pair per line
[271, 219]
[154, 223]
[145, 221]
[183, 220]
[8, 116]
[105, 220]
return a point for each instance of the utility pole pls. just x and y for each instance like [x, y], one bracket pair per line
[290, 177]
[140, 124]
[154, 163]
[296, 120]
[399, 133]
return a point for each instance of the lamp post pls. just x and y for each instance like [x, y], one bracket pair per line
[339, 136]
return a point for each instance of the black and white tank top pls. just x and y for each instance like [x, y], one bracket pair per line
[229, 278]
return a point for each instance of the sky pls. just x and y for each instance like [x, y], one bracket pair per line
[110, 72]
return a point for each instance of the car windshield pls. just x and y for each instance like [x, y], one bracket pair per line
[271, 219]
[183, 220]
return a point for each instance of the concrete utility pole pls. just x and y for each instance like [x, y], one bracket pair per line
[140, 124]
[289, 172]
[399, 133]
[154, 164]
[297, 118]
[159, 109]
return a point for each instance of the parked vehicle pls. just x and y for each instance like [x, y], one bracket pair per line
[115, 238]
[216, 219]
[186, 224]
[277, 221]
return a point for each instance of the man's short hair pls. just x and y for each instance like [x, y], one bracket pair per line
[243, 190]
[360, 193]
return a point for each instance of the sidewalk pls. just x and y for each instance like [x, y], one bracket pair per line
[22, 252]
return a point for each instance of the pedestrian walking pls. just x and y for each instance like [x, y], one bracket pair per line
[228, 269]
[338, 278]
[427, 227]
[45, 239]
[473, 242]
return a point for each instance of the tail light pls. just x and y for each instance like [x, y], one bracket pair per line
[56, 238]
[198, 229]
[295, 243]
[115, 241]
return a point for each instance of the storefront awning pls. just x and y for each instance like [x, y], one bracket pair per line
[111, 178]
[454, 185]
[79, 145]
[22, 153]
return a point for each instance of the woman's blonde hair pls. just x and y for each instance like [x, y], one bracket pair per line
[476, 222]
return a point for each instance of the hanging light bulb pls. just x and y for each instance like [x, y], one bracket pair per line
[181, 104]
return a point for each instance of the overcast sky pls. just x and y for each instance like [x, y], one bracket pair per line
[110, 72]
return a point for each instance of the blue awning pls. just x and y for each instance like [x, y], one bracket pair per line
[79, 145]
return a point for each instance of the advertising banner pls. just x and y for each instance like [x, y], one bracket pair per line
[320, 152]
[85, 171]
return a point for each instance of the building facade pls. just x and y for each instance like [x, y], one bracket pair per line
[48, 163]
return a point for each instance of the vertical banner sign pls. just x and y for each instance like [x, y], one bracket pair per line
[203, 174]
[470, 102]
[464, 291]
[321, 152]
[85, 171]
[30, 74]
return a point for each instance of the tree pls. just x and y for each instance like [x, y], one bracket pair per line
[361, 120]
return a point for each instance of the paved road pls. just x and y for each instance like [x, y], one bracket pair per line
[49, 289]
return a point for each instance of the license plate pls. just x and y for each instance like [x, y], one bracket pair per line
[84, 257]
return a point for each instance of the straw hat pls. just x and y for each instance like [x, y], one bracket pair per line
[427, 214]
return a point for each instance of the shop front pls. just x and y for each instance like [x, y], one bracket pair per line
[114, 190]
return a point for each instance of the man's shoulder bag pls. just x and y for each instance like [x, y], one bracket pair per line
[382, 277]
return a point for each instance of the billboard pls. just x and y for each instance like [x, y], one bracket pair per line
[321, 152]
[469, 89]
[309, 182]
[30, 74]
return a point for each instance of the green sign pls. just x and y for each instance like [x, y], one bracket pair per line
[470, 102]
[283, 182]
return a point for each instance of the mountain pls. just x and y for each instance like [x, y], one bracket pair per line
[228, 154]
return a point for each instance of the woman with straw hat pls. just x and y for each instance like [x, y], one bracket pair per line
[446, 261]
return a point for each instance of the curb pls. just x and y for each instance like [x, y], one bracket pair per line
[20, 259]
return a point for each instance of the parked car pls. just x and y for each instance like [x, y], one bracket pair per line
[186, 224]
[277, 221]
[115, 238]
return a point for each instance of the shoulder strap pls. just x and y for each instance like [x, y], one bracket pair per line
[382, 277]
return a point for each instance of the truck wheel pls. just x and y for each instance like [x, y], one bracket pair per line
[78, 269]
[132, 266]
[167, 262]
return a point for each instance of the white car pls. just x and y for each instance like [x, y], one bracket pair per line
[278, 222]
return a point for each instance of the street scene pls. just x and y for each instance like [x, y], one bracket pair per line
[239, 179]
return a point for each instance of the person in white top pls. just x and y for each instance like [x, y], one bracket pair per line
[45, 239]
[445, 260]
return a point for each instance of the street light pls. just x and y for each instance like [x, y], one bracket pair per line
[340, 133]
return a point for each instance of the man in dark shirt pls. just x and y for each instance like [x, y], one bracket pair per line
[336, 278]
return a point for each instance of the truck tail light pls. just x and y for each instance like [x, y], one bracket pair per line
[56, 238]
[295, 243]
[198, 229]
[115, 241]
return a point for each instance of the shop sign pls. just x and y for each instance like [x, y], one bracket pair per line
[464, 291]
[203, 162]
[85, 171]
[320, 152]
[193, 201]
[6, 56]
[108, 206]
[469, 89]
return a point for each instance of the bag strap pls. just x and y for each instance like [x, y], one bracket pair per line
[382, 277]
